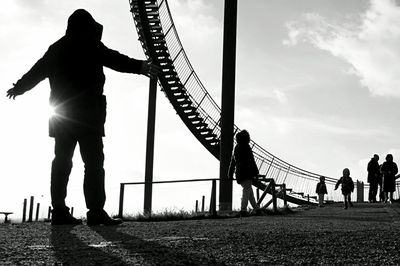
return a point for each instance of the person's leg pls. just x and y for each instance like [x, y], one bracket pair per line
[320, 200]
[345, 201]
[374, 188]
[252, 200]
[91, 148]
[370, 192]
[349, 200]
[61, 169]
[246, 188]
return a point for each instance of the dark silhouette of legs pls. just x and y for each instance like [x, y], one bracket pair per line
[61, 169]
[91, 148]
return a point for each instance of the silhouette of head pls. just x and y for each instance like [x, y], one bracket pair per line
[389, 158]
[81, 25]
[376, 157]
[322, 178]
[346, 172]
[243, 137]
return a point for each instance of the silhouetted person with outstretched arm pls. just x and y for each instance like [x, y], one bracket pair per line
[74, 66]
[373, 169]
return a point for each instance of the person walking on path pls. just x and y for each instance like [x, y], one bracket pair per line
[389, 170]
[245, 169]
[74, 66]
[321, 191]
[347, 187]
[373, 169]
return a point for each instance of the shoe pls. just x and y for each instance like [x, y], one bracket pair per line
[101, 217]
[242, 214]
[63, 217]
[259, 212]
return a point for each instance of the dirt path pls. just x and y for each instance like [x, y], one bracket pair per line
[365, 234]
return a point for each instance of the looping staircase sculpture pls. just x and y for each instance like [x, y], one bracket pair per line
[195, 106]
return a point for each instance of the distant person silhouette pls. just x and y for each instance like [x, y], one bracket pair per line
[389, 170]
[347, 187]
[245, 169]
[373, 169]
[321, 191]
[74, 67]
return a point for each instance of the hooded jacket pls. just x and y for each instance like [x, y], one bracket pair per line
[74, 67]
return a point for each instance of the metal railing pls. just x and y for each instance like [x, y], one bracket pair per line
[268, 164]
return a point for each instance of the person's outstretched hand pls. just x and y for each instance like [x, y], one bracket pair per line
[149, 69]
[12, 93]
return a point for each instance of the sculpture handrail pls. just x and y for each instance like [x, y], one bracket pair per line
[163, 41]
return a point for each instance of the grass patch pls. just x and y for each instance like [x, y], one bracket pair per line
[181, 215]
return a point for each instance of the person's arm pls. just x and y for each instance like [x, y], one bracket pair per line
[395, 169]
[338, 183]
[36, 74]
[122, 63]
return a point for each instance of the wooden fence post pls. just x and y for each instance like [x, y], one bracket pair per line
[274, 201]
[213, 203]
[37, 212]
[24, 211]
[121, 200]
[31, 210]
[284, 196]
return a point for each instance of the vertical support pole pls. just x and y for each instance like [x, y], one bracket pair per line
[258, 193]
[360, 191]
[197, 206]
[213, 203]
[24, 211]
[284, 196]
[37, 212]
[274, 201]
[121, 200]
[72, 211]
[31, 210]
[227, 102]
[202, 203]
[151, 121]
[49, 213]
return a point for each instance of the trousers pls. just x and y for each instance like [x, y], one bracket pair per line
[247, 195]
[91, 149]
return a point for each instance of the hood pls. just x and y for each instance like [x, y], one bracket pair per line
[82, 25]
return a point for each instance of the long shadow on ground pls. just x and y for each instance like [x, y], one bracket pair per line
[71, 250]
[151, 252]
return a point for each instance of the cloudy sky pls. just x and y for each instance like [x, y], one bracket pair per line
[317, 84]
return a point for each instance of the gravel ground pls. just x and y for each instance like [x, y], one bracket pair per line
[365, 234]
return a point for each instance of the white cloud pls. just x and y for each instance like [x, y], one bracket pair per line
[369, 43]
[280, 96]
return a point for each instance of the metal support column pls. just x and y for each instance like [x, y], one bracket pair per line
[227, 103]
[151, 121]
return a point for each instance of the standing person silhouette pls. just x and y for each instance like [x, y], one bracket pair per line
[74, 66]
[373, 169]
[389, 170]
[245, 169]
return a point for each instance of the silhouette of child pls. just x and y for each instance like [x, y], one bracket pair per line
[347, 187]
[246, 170]
[321, 191]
